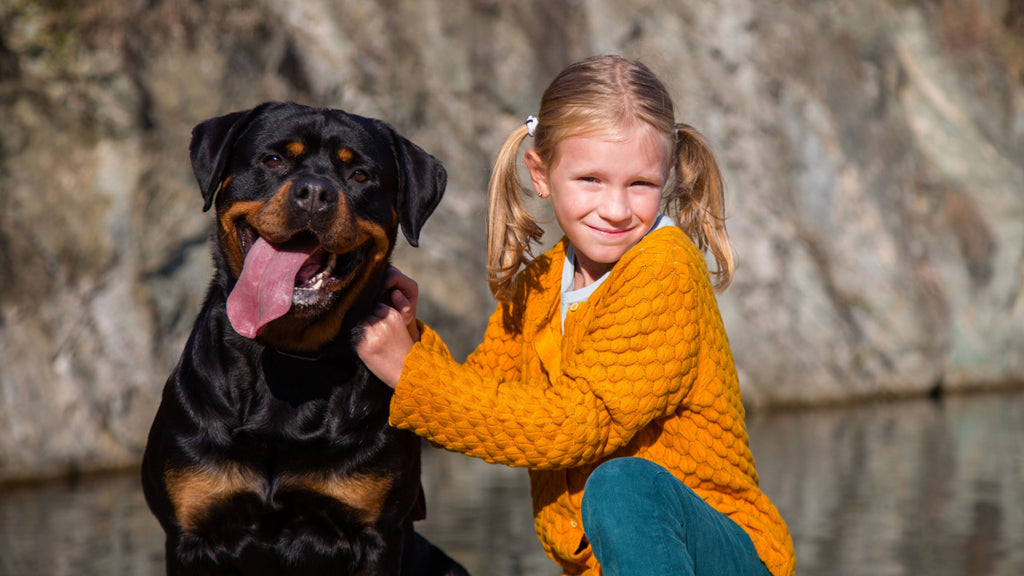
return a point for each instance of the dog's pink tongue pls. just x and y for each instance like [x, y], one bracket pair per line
[264, 290]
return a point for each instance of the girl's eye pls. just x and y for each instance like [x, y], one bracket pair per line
[359, 176]
[273, 162]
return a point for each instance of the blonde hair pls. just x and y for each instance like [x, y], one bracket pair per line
[595, 95]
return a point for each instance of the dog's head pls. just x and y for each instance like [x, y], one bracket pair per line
[308, 203]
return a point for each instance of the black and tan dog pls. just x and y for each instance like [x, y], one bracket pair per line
[271, 451]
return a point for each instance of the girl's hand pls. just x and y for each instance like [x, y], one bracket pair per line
[388, 334]
[404, 294]
[383, 344]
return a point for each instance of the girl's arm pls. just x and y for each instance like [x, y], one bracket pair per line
[633, 359]
[388, 334]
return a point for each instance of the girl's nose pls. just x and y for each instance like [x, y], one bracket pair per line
[614, 205]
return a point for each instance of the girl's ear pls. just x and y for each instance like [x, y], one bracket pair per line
[538, 173]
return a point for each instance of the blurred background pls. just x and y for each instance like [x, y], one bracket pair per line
[872, 151]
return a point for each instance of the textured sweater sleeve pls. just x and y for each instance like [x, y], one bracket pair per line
[482, 407]
[625, 360]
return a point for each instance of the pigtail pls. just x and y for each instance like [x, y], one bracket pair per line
[696, 201]
[510, 228]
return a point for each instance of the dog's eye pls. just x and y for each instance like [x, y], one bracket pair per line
[273, 162]
[359, 176]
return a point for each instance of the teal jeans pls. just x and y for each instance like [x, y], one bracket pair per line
[640, 520]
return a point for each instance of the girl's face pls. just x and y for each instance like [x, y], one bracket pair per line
[605, 190]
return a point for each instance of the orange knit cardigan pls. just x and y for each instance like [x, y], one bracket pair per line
[643, 369]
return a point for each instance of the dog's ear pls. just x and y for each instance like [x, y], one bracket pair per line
[212, 141]
[421, 183]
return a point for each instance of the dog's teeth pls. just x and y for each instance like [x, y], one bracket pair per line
[331, 261]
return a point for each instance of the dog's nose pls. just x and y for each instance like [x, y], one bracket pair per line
[313, 195]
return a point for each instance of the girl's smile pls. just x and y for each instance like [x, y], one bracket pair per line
[605, 190]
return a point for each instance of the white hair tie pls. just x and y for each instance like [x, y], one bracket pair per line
[531, 124]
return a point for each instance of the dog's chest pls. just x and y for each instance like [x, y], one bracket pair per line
[305, 443]
[216, 497]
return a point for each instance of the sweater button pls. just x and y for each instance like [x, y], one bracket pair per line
[573, 522]
[573, 307]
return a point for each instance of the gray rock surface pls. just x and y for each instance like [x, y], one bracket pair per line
[872, 152]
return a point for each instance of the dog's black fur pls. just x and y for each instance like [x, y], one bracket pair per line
[272, 454]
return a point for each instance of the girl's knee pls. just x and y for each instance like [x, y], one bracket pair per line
[622, 487]
[623, 475]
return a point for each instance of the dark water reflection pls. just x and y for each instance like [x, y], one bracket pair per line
[932, 488]
[915, 487]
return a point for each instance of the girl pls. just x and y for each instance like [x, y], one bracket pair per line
[605, 369]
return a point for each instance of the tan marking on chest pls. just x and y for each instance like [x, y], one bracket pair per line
[363, 492]
[194, 490]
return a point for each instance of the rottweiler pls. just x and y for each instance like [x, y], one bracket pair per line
[271, 452]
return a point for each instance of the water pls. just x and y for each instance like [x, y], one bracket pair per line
[930, 488]
[902, 488]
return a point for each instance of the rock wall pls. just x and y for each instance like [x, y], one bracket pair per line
[872, 152]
